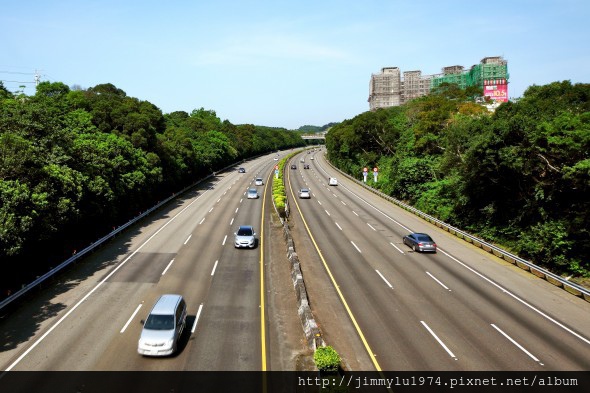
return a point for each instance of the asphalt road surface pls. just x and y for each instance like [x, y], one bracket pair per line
[378, 303]
[91, 319]
[458, 309]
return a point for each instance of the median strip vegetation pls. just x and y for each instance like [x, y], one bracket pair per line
[77, 163]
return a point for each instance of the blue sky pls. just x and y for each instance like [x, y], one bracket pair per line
[283, 63]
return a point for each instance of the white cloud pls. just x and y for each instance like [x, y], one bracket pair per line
[258, 49]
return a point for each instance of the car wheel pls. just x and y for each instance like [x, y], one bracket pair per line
[415, 248]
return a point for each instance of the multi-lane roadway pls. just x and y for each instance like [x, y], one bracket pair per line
[457, 309]
[381, 305]
[187, 249]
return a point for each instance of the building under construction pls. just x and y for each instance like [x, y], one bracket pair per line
[388, 88]
[385, 88]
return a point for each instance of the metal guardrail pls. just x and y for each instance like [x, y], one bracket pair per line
[538, 271]
[26, 288]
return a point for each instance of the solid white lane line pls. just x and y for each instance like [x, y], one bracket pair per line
[131, 318]
[515, 343]
[397, 248]
[105, 279]
[168, 266]
[339, 227]
[384, 279]
[214, 267]
[224, 239]
[440, 283]
[372, 227]
[379, 211]
[355, 246]
[587, 341]
[197, 318]
[188, 238]
[439, 340]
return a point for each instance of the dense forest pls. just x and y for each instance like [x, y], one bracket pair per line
[312, 129]
[75, 163]
[518, 177]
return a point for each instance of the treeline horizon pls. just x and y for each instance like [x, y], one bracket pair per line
[74, 163]
[518, 177]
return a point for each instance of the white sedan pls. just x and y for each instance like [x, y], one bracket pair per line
[304, 193]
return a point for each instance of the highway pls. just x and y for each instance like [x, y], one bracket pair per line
[188, 249]
[381, 305]
[458, 309]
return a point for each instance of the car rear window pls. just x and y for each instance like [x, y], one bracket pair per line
[424, 238]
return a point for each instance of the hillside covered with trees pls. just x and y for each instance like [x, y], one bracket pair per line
[76, 163]
[518, 177]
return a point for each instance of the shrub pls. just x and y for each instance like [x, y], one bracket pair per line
[326, 359]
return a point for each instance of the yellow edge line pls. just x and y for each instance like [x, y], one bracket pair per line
[357, 327]
[262, 305]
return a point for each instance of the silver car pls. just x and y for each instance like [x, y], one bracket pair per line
[245, 237]
[163, 326]
[258, 181]
[252, 193]
[304, 193]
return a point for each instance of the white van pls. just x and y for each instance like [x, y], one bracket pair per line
[163, 326]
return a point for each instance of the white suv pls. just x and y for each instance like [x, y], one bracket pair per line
[332, 181]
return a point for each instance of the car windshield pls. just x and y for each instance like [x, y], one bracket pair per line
[304, 190]
[245, 232]
[159, 322]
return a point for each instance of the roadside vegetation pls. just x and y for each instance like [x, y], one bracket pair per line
[518, 177]
[75, 163]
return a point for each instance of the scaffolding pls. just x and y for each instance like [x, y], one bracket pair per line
[389, 89]
[452, 75]
[414, 85]
[490, 68]
[385, 88]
